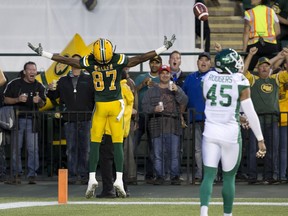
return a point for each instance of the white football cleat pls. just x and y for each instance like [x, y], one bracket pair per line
[118, 185]
[92, 185]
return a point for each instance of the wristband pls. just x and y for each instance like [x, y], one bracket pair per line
[160, 50]
[47, 54]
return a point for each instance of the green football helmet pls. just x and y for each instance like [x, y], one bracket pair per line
[228, 60]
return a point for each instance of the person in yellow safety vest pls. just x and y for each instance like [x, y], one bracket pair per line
[261, 27]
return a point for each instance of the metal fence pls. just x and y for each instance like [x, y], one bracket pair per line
[52, 146]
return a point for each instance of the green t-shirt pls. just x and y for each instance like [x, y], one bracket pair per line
[139, 79]
[265, 97]
[106, 78]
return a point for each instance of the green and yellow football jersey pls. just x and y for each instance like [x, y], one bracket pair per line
[106, 78]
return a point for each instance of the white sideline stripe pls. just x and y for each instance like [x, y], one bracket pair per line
[31, 204]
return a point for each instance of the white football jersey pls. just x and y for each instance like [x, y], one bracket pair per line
[222, 92]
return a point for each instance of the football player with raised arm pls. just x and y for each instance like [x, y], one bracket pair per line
[225, 90]
[106, 67]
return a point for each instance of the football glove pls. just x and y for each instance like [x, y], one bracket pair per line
[167, 43]
[39, 50]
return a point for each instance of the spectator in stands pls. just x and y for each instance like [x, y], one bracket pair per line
[162, 105]
[3, 81]
[130, 168]
[76, 94]
[143, 82]
[279, 66]
[281, 9]
[193, 89]
[2, 78]
[178, 76]
[26, 94]
[206, 29]
[265, 97]
[261, 27]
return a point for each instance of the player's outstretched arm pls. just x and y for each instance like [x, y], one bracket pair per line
[56, 57]
[146, 56]
[248, 108]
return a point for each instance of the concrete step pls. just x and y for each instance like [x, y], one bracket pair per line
[226, 40]
[237, 45]
[226, 27]
[223, 3]
[226, 37]
[221, 11]
[226, 20]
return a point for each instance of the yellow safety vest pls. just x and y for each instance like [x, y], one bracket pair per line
[262, 24]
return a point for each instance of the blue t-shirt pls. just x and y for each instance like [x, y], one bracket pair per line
[193, 89]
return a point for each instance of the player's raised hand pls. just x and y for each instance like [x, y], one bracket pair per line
[167, 43]
[38, 50]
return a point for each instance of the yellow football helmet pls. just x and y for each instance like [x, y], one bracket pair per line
[103, 51]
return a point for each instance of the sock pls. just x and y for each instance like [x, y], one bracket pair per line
[93, 156]
[92, 176]
[228, 191]
[207, 185]
[204, 211]
[119, 176]
[118, 156]
[225, 214]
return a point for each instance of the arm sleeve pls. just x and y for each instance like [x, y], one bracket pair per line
[248, 108]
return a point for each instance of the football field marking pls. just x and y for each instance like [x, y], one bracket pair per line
[32, 204]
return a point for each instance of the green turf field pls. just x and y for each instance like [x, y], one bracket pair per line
[140, 207]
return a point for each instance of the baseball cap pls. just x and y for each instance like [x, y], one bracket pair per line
[156, 58]
[263, 60]
[164, 67]
[204, 54]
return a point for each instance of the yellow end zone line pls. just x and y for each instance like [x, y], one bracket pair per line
[32, 204]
